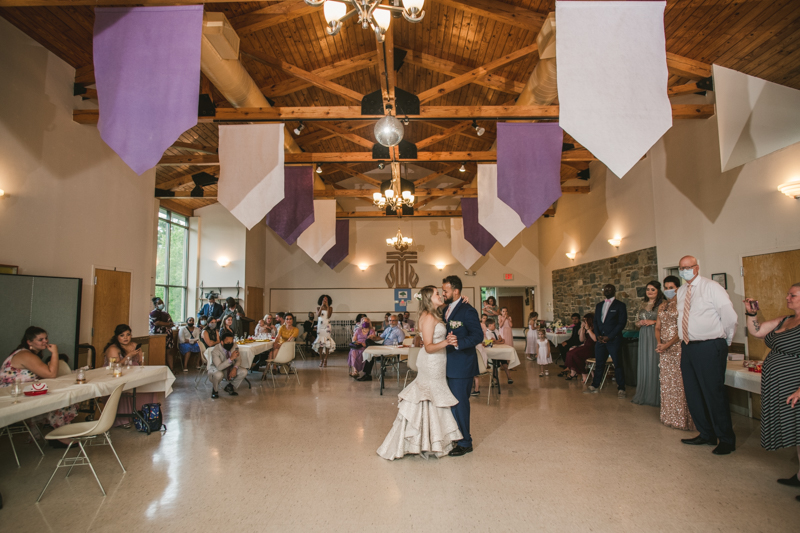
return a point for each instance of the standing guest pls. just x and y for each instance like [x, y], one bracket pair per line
[225, 363]
[543, 350]
[780, 378]
[706, 324]
[493, 335]
[161, 323]
[310, 328]
[210, 335]
[324, 342]
[25, 363]
[235, 311]
[490, 308]
[407, 320]
[577, 357]
[391, 335]
[531, 334]
[484, 316]
[188, 336]
[610, 317]
[504, 321]
[211, 308]
[674, 411]
[574, 340]
[227, 325]
[355, 358]
[647, 383]
[535, 316]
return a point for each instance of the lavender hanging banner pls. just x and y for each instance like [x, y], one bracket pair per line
[147, 67]
[295, 213]
[475, 234]
[336, 255]
[529, 167]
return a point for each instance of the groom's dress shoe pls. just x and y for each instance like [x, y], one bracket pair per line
[459, 450]
[698, 441]
[724, 449]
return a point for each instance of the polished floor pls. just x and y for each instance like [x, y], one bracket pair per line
[302, 458]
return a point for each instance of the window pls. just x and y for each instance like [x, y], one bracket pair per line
[171, 262]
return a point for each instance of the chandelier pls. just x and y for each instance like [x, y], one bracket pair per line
[393, 198]
[371, 14]
[399, 242]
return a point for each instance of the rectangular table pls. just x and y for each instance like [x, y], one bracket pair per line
[500, 353]
[248, 352]
[63, 391]
[386, 353]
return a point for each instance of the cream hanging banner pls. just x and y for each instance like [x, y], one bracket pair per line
[493, 214]
[463, 251]
[321, 235]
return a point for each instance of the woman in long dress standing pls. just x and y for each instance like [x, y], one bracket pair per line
[425, 424]
[324, 342]
[647, 385]
[674, 410]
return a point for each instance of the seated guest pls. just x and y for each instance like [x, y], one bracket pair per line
[573, 341]
[279, 319]
[490, 307]
[359, 318]
[210, 337]
[161, 323]
[401, 323]
[234, 310]
[265, 326]
[225, 362]
[493, 335]
[228, 325]
[212, 308]
[407, 320]
[354, 359]
[391, 335]
[25, 363]
[576, 357]
[188, 336]
[286, 333]
[121, 349]
[386, 323]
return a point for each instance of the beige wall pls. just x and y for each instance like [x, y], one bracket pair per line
[221, 234]
[72, 205]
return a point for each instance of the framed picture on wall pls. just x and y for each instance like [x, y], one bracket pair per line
[722, 279]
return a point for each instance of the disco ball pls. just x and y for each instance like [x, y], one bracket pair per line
[389, 131]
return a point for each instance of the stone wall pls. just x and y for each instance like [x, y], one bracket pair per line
[580, 288]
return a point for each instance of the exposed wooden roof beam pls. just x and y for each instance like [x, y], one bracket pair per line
[448, 68]
[177, 207]
[203, 149]
[69, 3]
[501, 12]
[688, 68]
[183, 179]
[449, 132]
[430, 177]
[269, 16]
[345, 134]
[355, 173]
[683, 89]
[328, 72]
[382, 214]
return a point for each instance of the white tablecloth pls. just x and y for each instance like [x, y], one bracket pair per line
[558, 338]
[249, 351]
[63, 391]
[377, 351]
[739, 377]
[503, 353]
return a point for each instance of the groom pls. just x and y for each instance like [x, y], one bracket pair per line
[463, 330]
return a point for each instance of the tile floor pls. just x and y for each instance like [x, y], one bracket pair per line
[302, 458]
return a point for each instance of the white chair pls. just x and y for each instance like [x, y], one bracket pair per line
[485, 371]
[411, 363]
[203, 369]
[86, 432]
[63, 368]
[283, 359]
[16, 429]
[592, 363]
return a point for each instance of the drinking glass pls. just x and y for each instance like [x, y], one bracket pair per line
[16, 389]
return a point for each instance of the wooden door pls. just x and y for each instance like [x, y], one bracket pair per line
[515, 309]
[767, 278]
[112, 305]
[254, 305]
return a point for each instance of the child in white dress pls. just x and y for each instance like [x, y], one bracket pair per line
[543, 349]
[530, 339]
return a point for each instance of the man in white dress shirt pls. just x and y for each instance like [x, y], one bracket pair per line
[706, 324]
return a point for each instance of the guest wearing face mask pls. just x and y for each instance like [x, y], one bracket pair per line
[188, 336]
[674, 411]
[212, 308]
[161, 323]
[210, 334]
[225, 362]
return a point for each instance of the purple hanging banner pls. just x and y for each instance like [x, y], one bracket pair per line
[474, 233]
[529, 167]
[341, 249]
[147, 67]
[295, 213]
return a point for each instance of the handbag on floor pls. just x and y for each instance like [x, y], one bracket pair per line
[149, 418]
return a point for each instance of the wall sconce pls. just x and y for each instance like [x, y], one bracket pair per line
[791, 188]
[2, 194]
[223, 261]
[363, 267]
[616, 241]
[440, 266]
[572, 255]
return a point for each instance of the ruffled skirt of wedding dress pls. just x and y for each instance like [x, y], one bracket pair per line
[421, 427]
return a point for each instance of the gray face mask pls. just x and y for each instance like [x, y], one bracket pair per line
[670, 293]
[687, 274]
[160, 307]
[202, 322]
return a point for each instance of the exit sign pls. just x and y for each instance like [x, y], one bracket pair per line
[508, 277]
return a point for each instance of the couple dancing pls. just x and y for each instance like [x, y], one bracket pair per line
[433, 411]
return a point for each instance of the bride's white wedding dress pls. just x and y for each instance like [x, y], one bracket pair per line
[424, 424]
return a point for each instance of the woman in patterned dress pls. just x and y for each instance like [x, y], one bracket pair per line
[647, 381]
[161, 322]
[355, 358]
[674, 411]
[780, 378]
[324, 343]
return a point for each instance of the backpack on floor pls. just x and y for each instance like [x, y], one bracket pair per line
[149, 418]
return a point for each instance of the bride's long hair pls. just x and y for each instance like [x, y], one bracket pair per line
[426, 305]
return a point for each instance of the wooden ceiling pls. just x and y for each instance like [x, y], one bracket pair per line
[757, 37]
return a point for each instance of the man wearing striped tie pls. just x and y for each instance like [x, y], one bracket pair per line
[706, 324]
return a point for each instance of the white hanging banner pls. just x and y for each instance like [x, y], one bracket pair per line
[755, 117]
[612, 78]
[321, 235]
[462, 250]
[251, 170]
[493, 214]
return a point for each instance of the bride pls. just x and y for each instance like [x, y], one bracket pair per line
[424, 424]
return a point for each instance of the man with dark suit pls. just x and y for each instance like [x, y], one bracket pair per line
[610, 317]
[464, 330]
[211, 309]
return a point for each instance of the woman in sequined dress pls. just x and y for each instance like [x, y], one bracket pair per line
[674, 411]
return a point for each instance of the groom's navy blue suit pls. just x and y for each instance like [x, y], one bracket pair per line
[462, 364]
